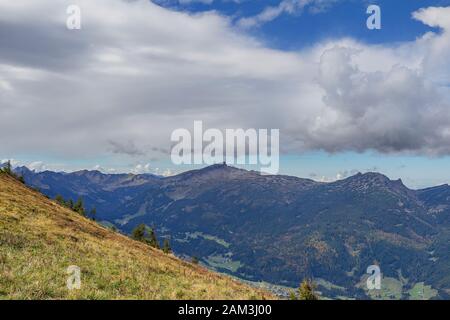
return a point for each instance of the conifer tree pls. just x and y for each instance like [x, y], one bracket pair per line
[138, 233]
[307, 290]
[166, 246]
[93, 213]
[8, 167]
[79, 207]
[60, 200]
[292, 296]
[151, 239]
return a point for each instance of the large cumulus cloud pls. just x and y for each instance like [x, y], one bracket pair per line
[137, 71]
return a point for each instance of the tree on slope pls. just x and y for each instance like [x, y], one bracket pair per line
[307, 290]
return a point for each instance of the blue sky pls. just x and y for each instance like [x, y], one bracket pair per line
[108, 96]
[344, 18]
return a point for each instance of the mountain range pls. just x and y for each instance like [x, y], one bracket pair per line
[281, 229]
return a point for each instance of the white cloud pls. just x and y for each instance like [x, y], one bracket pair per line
[167, 173]
[5, 85]
[182, 2]
[193, 1]
[14, 163]
[284, 7]
[136, 71]
[436, 47]
[142, 168]
[434, 16]
[37, 166]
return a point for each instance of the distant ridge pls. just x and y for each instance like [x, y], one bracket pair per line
[220, 167]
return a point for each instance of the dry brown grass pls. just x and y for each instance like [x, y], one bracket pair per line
[39, 239]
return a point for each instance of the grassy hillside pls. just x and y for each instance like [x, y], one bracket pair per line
[39, 240]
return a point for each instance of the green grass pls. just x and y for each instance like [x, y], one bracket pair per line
[420, 291]
[328, 285]
[40, 239]
[394, 289]
[391, 289]
[217, 240]
[222, 262]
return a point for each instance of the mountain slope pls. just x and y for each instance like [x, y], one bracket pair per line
[437, 200]
[40, 239]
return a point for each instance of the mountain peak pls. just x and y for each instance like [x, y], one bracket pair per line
[371, 180]
[371, 176]
[217, 166]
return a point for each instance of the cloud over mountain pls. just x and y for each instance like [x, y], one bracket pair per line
[137, 71]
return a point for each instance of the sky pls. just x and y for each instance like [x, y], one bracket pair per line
[346, 99]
